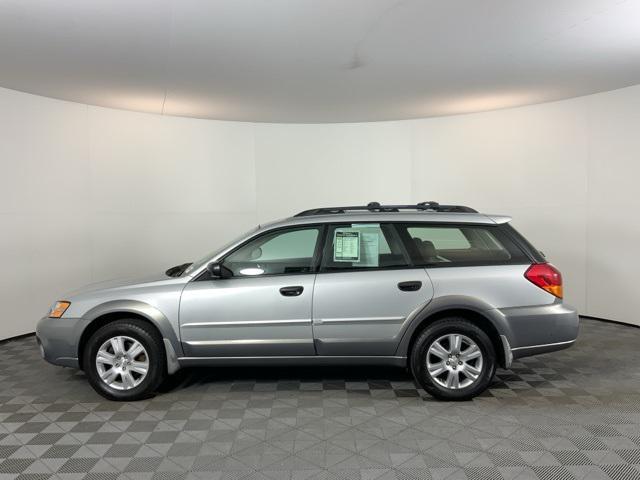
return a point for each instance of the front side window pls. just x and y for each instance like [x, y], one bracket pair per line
[277, 253]
[207, 258]
[461, 245]
[362, 246]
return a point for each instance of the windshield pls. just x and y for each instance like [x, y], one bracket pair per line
[196, 265]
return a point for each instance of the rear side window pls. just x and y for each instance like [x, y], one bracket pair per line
[442, 238]
[536, 254]
[362, 246]
[460, 245]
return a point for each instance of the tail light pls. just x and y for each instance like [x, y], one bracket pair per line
[545, 276]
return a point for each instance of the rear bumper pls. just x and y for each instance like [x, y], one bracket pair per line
[540, 329]
[520, 352]
[59, 338]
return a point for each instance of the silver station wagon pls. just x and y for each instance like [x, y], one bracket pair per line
[441, 289]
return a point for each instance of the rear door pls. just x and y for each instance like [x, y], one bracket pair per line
[366, 289]
[483, 262]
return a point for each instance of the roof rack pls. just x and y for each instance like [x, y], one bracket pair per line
[376, 207]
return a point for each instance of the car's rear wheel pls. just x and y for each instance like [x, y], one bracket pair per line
[453, 359]
[124, 360]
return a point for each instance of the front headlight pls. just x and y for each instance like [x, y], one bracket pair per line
[58, 309]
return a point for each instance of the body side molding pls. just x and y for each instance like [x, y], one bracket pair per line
[310, 360]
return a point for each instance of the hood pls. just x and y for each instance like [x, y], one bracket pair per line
[120, 283]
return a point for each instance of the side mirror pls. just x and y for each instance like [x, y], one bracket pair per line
[217, 270]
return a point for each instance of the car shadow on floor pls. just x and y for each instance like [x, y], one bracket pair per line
[284, 378]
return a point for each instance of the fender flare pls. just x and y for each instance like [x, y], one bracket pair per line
[451, 302]
[170, 339]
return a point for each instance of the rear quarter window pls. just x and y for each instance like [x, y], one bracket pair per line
[460, 245]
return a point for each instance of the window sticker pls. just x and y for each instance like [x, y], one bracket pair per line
[370, 248]
[346, 246]
[369, 243]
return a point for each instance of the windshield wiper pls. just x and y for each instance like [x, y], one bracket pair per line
[178, 270]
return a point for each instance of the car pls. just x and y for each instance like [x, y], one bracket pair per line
[445, 291]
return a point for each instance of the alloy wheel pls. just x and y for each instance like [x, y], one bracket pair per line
[454, 361]
[122, 363]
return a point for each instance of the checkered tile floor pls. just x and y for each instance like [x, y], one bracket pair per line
[573, 414]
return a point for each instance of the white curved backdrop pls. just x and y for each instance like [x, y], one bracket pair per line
[89, 193]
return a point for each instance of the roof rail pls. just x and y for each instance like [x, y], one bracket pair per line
[376, 207]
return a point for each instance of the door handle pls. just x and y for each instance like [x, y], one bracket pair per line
[410, 286]
[291, 291]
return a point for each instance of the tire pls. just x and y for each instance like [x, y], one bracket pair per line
[474, 371]
[122, 361]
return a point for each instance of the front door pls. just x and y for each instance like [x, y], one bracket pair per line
[365, 291]
[264, 309]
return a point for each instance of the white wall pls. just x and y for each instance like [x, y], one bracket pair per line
[90, 193]
[613, 214]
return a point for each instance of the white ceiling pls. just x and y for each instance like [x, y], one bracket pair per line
[317, 60]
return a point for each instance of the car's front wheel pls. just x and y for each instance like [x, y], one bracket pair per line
[124, 360]
[453, 359]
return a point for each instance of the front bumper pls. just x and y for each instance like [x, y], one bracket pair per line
[59, 338]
